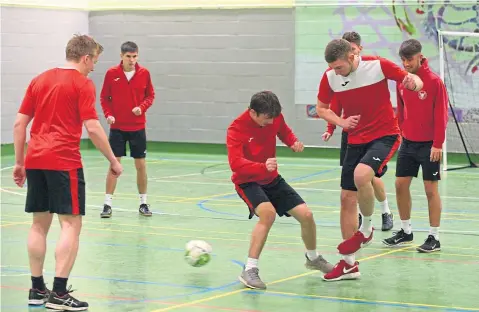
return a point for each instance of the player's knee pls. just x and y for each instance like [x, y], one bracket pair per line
[348, 200]
[402, 184]
[140, 164]
[71, 223]
[306, 215]
[363, 175]
[266, 213]
[430, 188]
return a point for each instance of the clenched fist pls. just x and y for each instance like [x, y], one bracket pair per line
[271, 164]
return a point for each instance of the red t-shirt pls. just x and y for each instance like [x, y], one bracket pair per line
[58, 100]
[365, 92]
[250, 145]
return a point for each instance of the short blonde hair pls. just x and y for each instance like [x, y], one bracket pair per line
[81, 45]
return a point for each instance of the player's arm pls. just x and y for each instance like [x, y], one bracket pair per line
[400, 106]
[105, 96]
[393, 72]
[285, 134]
[149, 95]
[335, 106]
[236, 159]
[440, 120]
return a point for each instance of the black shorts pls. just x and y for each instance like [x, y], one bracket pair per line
[344, 146]
[136, 140]
[279, 193]
[375, 154]
[60, 192]
[411, 155]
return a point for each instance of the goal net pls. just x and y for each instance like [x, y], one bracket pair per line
[459, 69]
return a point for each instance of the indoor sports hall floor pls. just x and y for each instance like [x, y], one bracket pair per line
[133, 263]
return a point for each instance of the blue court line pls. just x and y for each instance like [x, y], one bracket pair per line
[354, 301]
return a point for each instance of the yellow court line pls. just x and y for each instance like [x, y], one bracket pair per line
[195, 302]
[14, 223]
[314, 181]
[374, 301]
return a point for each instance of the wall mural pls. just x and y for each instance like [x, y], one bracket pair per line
[385, 26]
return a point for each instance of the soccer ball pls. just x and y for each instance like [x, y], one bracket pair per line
[198, 253]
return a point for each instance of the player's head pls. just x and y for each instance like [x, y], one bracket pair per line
[264, 107]
[83, 51]
[411, 55]
[129, 55]
[340, 57]
[355, 40]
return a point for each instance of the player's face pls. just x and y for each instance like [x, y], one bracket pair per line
[129, 60]
[89, 63]
[356, 49]
[412, 63]
[261, 119]
[342, 66]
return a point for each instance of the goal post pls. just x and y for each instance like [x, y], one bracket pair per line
[458, 66]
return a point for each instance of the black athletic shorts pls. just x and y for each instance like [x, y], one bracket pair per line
[375, 154]
[344, 146]
[136, 140]
[411, 155]
[279, 193]
[60, 192]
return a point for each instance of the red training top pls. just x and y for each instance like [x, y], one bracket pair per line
[423, 115]
[365, 92]
[119, 96]
[58, 100]
[336, 107]
[250, 145]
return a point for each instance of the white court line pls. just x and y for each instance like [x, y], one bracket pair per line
[188, 174]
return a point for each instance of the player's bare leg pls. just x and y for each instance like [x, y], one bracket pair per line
[250, 275]
[381, 197]
[142, 183]
[65, 256]
[348, 213]
[314, 261]
[111, 181]
[432, 243]
[37, 248]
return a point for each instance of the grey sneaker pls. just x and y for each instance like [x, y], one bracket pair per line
[319, 264]
[251, 279]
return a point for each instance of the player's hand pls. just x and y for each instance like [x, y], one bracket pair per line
[350, 122]
[326, 136]
[116, 168]
[297, 147]
[136, 111]
[271, 164]
[19, 175]
[110, 120]
[409, 83]
[436, 154]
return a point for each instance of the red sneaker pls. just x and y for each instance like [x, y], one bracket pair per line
[343, 271]
[356, 242]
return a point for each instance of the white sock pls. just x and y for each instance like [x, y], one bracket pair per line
[251, 263]
[350, 259]
[108, 199]
[311, 254]
[406, 226]
[385, 206]
[366, 226]
[434, 231]
[142, 198]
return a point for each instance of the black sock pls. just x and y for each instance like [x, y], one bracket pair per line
[60, 285]
[38, 283]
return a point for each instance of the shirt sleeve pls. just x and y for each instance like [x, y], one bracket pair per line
[28, 104]
[285, 134]
[325, 93]
[392, 71]
[105, 96]
[440, 114]
[336, 107]
[238, 163]
[400, 106]
[149, 95]
[86, 101]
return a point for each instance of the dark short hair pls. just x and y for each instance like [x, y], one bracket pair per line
[409, 48]
[129, 46]
[337, 49]
[267, 103]
[353, 37]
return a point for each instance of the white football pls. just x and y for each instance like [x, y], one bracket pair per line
[198, 253]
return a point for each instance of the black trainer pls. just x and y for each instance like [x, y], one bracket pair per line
[145, 210]
[399, 238]
[37, 297]
[430, 245]
[388, 222]
[65, 302]
[106, 213]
